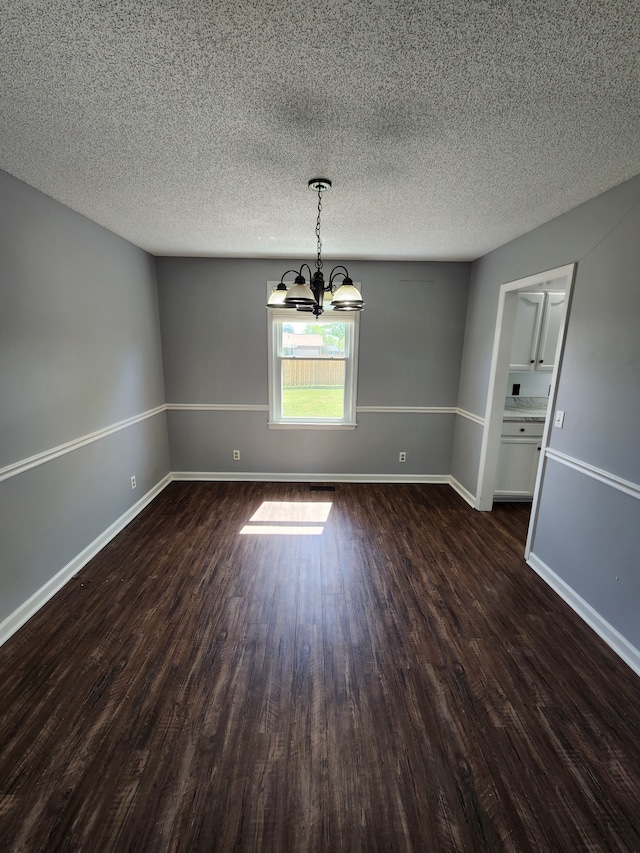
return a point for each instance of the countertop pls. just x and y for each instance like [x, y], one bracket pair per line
[532, 409]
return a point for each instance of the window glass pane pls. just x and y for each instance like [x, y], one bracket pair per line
[314, 339]
[313, 388]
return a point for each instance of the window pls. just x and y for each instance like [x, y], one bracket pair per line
[312, 368]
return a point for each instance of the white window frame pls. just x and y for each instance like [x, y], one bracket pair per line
[278, 316]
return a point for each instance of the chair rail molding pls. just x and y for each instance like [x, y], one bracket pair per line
[23, 465]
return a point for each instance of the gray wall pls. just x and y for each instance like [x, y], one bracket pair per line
[588, 531]
[79, 352]
[214, 333]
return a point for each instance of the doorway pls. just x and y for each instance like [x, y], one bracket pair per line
[557, 279]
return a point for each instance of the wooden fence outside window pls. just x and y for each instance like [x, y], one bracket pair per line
[302, 373]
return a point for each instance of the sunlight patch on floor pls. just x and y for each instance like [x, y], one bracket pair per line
[289, 518]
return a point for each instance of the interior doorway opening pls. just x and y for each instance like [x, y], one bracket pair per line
[559, 279]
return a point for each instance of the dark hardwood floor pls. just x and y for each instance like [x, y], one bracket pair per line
[401, 682]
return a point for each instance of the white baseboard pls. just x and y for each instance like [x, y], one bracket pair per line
[29, 607]
[613, 638]
[465, 494]
[279, 477]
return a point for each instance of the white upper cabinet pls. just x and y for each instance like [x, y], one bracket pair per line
[551, 321]
[536, 330]
[526, 331]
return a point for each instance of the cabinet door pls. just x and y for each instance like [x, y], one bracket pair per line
[526, 331]
[517, 467]
[551, 320]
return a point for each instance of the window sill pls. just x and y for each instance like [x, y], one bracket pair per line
[308, 425]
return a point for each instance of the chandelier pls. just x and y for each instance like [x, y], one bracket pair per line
[342, 295]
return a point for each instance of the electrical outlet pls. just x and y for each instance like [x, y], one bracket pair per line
[133, 482]
[236, 455]
[402, 456]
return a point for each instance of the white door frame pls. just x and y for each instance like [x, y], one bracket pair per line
[499, 373]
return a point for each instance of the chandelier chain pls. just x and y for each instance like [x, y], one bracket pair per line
[319, 258]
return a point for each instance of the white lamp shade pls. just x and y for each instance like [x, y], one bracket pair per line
[277, 298]
[299, 294]
[347, 298]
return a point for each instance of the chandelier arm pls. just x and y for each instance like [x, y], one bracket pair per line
[308, 268]
[337, 271]
[295, 272]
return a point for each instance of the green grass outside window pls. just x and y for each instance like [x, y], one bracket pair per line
[313, 403]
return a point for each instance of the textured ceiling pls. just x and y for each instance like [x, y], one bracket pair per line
[447, 126]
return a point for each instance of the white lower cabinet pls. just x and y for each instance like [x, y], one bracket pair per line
[518, 460]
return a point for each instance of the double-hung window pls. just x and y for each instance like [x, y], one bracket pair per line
[312, 369]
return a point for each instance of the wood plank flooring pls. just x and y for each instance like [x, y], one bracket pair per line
[401, 682]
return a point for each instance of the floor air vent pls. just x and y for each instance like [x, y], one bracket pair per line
[322, 488]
